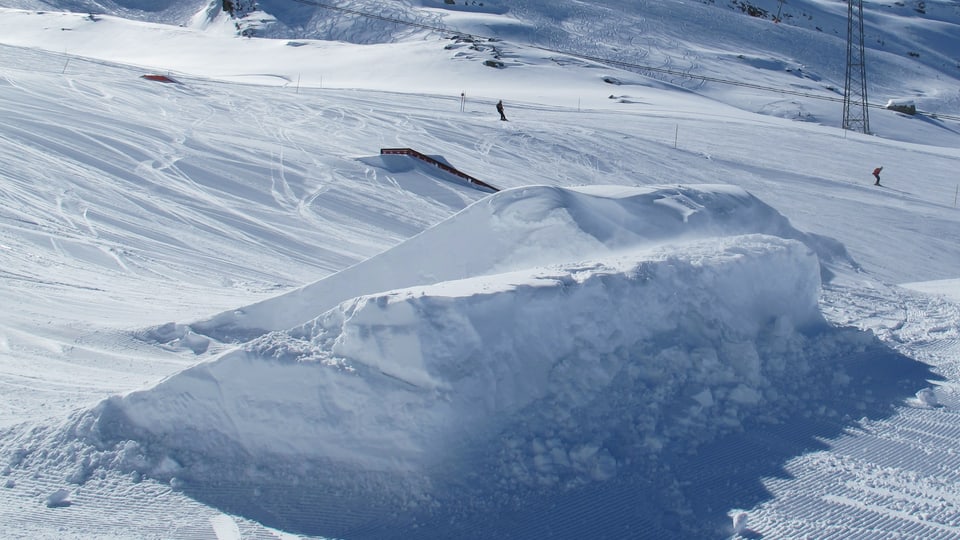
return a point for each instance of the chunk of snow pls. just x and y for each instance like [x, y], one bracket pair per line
[739, 521]
[519, 368]
[61, 497]
[928, 398]
[392, 383]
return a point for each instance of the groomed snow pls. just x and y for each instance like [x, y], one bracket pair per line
[226, 315]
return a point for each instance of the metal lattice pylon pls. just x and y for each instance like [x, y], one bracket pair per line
[855, 116]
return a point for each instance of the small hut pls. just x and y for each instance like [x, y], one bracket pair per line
[905, 106]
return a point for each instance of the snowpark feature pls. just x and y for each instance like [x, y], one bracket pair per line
[651, 332]
[594, 365]
[436, 405]
[439, 162]
[523, 228]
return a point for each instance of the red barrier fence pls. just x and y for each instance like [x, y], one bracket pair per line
[423, 157]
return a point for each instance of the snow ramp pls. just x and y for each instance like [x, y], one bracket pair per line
[451, 400]
[523, 227]
[573, 400]
[568, 363]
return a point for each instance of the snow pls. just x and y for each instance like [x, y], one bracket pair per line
[433, 363]
[688, 313]
[517, 229]
[739, 521]
[58, 498]
[927, 397]
[946, 287]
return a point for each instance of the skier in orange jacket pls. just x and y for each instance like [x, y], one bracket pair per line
[876, 174]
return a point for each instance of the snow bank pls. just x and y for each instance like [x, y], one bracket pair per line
[390, 381]
[644, 323]
[523, 227]
[545, 379]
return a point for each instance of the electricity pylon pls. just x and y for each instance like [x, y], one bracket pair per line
[855, 116]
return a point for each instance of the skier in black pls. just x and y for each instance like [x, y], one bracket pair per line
[500, 110]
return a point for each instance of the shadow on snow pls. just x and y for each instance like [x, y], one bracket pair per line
[684, 490]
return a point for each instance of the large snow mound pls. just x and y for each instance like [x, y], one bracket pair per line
[542, 379]
[524, 227]
[390, 381]
[647, 322]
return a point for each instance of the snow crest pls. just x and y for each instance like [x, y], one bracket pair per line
[521, 228]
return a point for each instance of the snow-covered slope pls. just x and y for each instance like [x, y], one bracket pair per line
[797, 47]
[226, 315]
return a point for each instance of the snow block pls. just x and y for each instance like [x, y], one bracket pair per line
[550, 376]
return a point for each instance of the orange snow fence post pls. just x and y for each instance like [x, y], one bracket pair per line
[160, 78]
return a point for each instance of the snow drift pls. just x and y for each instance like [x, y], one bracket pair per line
[647, 322]
[390, 381]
